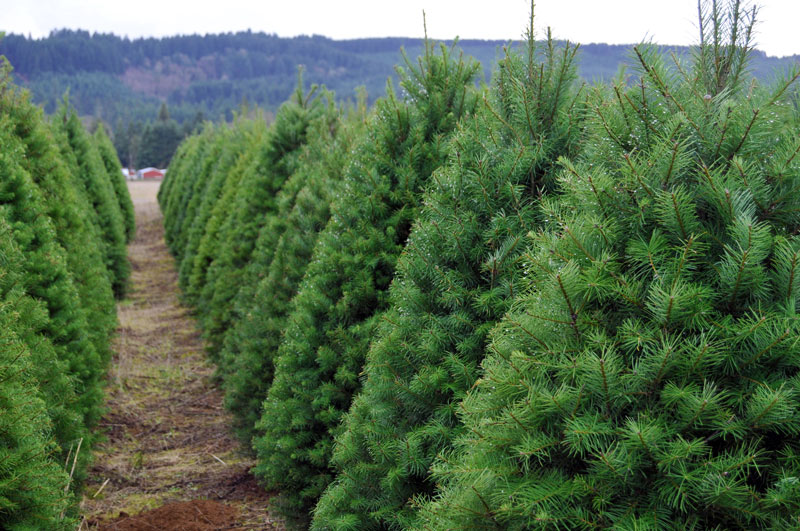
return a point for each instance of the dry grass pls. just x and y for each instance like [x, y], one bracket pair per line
[167, 434]
[144, 192]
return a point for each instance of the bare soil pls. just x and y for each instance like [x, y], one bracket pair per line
[169, 461]
[197, 515]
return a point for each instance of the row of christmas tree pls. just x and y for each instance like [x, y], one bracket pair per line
[65, 219]
[534, 305]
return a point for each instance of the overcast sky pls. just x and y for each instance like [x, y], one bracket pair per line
[585, 21]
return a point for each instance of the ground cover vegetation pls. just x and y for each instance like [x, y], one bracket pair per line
[57, 309]
[535, 304]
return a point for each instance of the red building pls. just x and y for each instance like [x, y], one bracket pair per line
[150, 173]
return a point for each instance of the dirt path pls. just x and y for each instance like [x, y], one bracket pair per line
[168, 438]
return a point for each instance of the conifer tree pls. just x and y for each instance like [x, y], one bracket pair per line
[114, 170]
[158, 140]
[252, 134]
[280, 256]
[44, 275]
[646, 377]
[182, 175]
[225, 156]
[344, 290]
[255, 202]
[197, 181]
[460, 268]
[67, 310]
[106, 211]
[165, 190]
[69, 210]
[33, 486]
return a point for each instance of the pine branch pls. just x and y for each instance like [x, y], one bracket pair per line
[744, 136]
[638, 177]
[664, 90]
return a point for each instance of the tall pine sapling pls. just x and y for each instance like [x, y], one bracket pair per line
[231, 145]
[43, 274]
[254, 204]
[34, 488]
[175, 191]
[279, 260]
[67, 206]
[253, 135]
[196, 184]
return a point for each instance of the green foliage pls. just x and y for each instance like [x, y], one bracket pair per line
[250, 135]
[114, 170]
[96, 186]
[255, 202]
[220, 190]
[159, 141]
[460, 268]
[281, 254]
[178, 186]
[45, 276]
[194, 188]
[66, 205]
[58, 312]
[646, 376]
[568, 308]
[33, 486]
[114, 78]
[344, 290]
[228, 146]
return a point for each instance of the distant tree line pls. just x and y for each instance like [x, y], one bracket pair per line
[152, 144]
[225, 69]
[71, 51]
[125, 81]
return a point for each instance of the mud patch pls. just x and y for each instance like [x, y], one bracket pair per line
[196, 515]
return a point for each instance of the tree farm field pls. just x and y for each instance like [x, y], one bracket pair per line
[535, 301]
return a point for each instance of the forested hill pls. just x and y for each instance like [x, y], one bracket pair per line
[114, 77]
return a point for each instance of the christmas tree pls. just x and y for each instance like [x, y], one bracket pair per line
[228, 142]
[196, 181]
[252, 134]
[97, 187]
[43, 274]
[460, 268]
[114, 170]
[62, 365]
[33, 486]
[178, 185]
[344, 290]
[270, 281]
[69, 210]
[646, 376]
[255, 202]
